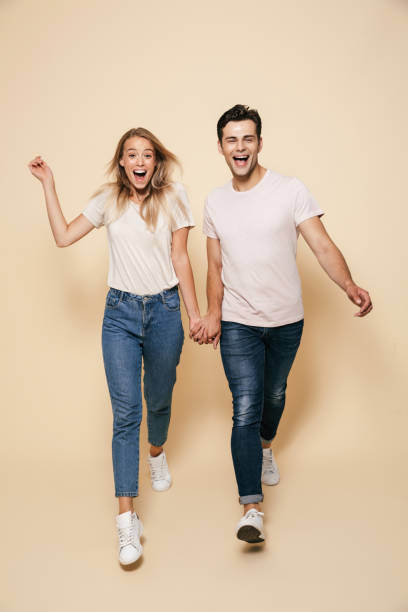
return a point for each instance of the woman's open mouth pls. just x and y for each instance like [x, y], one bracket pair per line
[139, 175]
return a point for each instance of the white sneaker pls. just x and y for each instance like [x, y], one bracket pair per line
[270, 470]
[159, 472]
[250, 527]
[130, 529]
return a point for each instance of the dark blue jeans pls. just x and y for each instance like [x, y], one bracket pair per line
[257, 361]
[136, 328]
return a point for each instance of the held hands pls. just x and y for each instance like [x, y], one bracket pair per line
[208, 331]
[360, 297]
[40, 170]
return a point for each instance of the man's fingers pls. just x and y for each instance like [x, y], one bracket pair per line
[216, 340]
[364, 303]
[364, 312]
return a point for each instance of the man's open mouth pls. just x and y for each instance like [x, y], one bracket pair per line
[240, 160]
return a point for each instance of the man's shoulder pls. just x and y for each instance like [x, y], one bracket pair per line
[219, 192]
[282, 179]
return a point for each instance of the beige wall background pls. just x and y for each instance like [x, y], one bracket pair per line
[330, 82]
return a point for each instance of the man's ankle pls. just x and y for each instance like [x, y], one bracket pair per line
[250, 507]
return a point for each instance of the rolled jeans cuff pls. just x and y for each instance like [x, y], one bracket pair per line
[251, 499]
[126, 494]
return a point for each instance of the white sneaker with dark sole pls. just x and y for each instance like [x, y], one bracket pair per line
[159, 472]
[250, 527]
[270, 471]
[130, 529]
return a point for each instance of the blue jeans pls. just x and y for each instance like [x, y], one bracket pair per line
[137, 327]
[257, 361]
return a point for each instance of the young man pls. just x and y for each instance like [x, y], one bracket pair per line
[254, 297]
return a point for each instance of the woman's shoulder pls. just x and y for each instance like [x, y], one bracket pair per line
[102, 195]
[178, 187]
[180, 192]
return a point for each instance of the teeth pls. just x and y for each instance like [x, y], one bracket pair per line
[139, 172]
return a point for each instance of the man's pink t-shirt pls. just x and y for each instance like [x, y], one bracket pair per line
[258, 231]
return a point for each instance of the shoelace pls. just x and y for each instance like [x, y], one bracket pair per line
[159, 471]
[253, 513]
[127, 535]
[268, 463]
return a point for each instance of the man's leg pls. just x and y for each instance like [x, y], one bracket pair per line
[282, 345]
[243, 357]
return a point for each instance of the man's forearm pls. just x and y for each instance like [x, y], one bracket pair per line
[215, 292]
[333, 263]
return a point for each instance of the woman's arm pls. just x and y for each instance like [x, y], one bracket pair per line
[215, 293]
[64, 233]
[182, 267]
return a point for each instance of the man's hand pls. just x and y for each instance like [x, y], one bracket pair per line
[209, 332]
[361, 298]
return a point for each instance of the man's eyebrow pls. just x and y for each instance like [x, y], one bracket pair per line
[245, 136]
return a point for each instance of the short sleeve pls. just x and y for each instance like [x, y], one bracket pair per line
[94, 212]
[305, 204]
[181, 218]
[208, 225]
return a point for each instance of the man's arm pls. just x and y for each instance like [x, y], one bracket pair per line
[215, 292]
[333, 263]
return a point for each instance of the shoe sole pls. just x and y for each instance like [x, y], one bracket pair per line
[162, 490]
[270, 484]
[250, 534]
[134, 561]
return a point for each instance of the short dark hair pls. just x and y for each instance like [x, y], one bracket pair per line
[239, 112]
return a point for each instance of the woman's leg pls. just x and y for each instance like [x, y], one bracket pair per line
[162, 346]
[122, 353]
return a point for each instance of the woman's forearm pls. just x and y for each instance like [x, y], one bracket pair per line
[184, 273]
[56, 218]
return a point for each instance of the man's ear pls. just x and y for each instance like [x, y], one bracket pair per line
[220, 148]
[260, 145]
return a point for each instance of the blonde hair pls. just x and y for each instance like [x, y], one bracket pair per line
[160, 186]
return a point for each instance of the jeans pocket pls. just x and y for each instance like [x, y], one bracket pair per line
[171, 300]
[113, 299]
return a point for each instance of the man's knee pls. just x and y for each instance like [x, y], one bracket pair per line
[247, 411]
[275, 396]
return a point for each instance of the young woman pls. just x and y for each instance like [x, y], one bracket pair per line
[147, 219]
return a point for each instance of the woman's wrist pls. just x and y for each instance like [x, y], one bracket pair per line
[194, 315]
[48, 184]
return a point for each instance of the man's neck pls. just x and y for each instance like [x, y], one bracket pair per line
[244, 183]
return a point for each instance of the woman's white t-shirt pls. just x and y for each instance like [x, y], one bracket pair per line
[140, 259]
